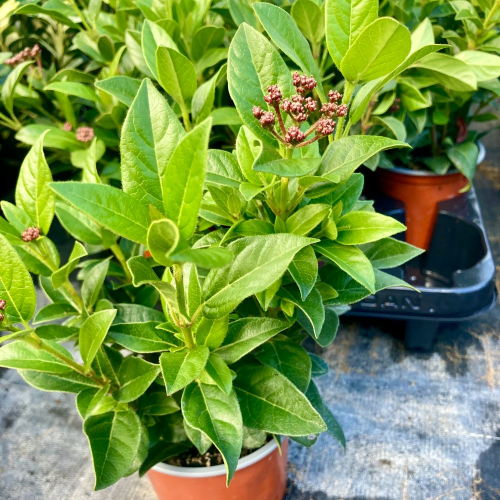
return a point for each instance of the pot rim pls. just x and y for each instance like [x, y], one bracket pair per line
[426, 173]
[216, 470]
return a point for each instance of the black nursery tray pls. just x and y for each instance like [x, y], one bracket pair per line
[455, 278]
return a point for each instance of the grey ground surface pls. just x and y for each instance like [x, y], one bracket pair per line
[418, 426]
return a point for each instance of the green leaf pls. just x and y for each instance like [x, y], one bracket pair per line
[158, 403]
[163, 238]
[253, 64]
[16, 286]
[161, 452]
[136, 313]
[58, 310]
[78, 224]
[150, 134]
[56, 138]
[288, 358]
[220, 373]
[256, 266]
[55, 9]
[310, 20]
[248, 149]
[23, 356]
[312, 312]
[143, 337]
[344, 156]
[57, 382]
[285, 33]
[451, 73]
[92, 284]
[484, 66]
[89, 400]
[330, 327]
[464, 158]
[388, 253]
[75, 89]
[357, 228]
[245, 334]
[32, 193]
[351, 260]
[270, 402]
[211, 411]
[319, 367]
[207, 37]
[333, 426]
[180, 368]
[198, 438]
[386, 280]
[184, 178]
[208, 258]
[92, 334]
[223, 168]
[10, 84]
[122, 87]
[56, 333]
[114, 439]
[379, 49]
[176, 74]
[211, 332]
[289, 168]
[304, 270]
[135, 376]
[345, 20]
[225, 116]
[108, 206]
[393, 125]
[304, 220]
[153, 37]
[59, 277]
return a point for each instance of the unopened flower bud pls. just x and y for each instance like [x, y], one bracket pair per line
[67, 127]
[36, 51]
[274, 95]
[30, 234]
[334, 96]
[257, 112]
[268, 119]
[286, 105]
[298, 98]
[85, 134]
[329, 109]
[294, 135]
[342, 110]
[2, 304]
[325, 126]
[301, 117]
[310, 104]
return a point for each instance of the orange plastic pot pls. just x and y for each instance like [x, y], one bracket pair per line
[421, 193]
[260, 475]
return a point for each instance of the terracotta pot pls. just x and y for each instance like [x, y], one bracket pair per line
[260, 475]
[421, 192]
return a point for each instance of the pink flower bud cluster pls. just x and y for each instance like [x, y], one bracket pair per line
[303, 83]
[267, 119]
[85, 134]
[30, 234]
[294, 135]
[25, 55]
[274, 95]
[67, 127]
[325, 126]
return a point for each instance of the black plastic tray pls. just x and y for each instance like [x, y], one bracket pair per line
[455, 278]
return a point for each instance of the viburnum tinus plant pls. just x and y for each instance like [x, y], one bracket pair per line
[190, 289]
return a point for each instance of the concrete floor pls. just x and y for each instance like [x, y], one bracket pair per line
[418, 426]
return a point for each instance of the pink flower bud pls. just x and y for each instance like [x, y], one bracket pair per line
[325, 126]
[310, 104]
[30, 234]
[286, 105]
[334, 96]
[294, 135]
[85, 134]
[274, 95]
[67, 127]
[342, 110]
[257, 112]
[2, 304]
[268, 119]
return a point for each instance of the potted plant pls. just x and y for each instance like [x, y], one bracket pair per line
[198, 280]
[433, 106]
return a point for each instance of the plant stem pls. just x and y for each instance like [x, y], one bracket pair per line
[185, 117]
[179, 287]
[188, 337]
[348, 91]
[120, 256]
[276, 107]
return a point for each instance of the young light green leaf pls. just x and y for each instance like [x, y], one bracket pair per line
[135, 376]
[389, 252]
[304, 270]
[351, 260]
[92, 284]
[184, 178]
[16, 286]
[75, 89]
[153, 37]
[108, 206]
[304, 220]
[211, 332]
[289, 168]
[114, 439]
[143, 337]
[92, 334]
[10, 84]
[345, 20]
[379, 49]
[485, 66]
[211, 411]
[245, 334]
[223, 168]
[122, 87]
[176, 74]
[149, 137]
[270, 402]
[62, 274]
[180, 368]
[32, 193]
[220, 373]
[256, 266]
[78, 224]
[310, 20]
[163, 239]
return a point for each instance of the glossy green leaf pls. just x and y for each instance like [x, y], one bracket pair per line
[163, 238]
[143, 337]
[289, 168]
[198, 438]
[211, 332]
[304, 270]
[484, 66]
[310, 20]
[464, 158]
[149, 137]
[245, 334]
[57, 333]
[108, 206]
[70, 381]
[57, 310]
[219, 373]
[388, 253]
[319, 366]
[158, 403]
[211, 411]
[256, 265]
[32, 191]
[122, 87]
[89, 400]
[78, 224]
[223, 168]
[135, 376]
[92, 284]
[180, 368]
[345, 20]
[270, 402]
[92, 334]
[379, 49]
[153, 37]
[351, 260]
[304, 220]
[184, 178]
[208, 258]
[16, 286]
[114, 439]
[62, 274]
[206, 38]
[330, 327]
[74, 89]
[56, 137]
